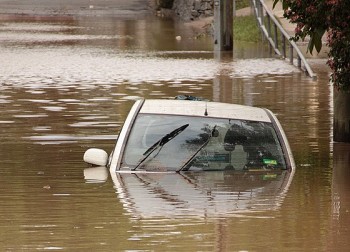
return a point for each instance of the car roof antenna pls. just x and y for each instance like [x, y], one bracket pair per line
[206, 110]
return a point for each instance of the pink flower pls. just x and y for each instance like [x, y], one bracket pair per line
[330, 2]
[311, 10]
[298, 28]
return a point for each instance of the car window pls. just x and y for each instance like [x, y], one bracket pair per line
[206, 144]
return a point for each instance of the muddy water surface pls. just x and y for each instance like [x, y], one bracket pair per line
[67, 85]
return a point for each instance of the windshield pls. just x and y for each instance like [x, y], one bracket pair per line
[204, 144]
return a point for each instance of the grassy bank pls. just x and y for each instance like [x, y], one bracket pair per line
[245, 28]
[240, 4]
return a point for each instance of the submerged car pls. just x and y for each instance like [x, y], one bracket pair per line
[184, 135]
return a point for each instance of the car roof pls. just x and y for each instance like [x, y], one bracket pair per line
[198, 108]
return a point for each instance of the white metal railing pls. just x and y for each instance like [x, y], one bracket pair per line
[261, 10]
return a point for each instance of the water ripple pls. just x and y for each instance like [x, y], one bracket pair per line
[64, 139]
[253, 67]
[37, 69]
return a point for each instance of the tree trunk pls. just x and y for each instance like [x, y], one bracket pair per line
[341, 123]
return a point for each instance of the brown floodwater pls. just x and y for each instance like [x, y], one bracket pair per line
[67, 85]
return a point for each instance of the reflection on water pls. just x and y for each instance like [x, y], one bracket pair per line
[67, 85]
[201, 195]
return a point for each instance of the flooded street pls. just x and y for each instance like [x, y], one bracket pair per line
[67, 85]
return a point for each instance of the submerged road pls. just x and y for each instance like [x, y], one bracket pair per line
[122, 8]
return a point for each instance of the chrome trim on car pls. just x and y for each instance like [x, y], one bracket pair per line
[283, 139]
[120, 145]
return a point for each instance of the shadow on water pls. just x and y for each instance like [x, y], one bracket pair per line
[68, 85]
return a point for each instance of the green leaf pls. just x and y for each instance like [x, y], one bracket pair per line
[284, 5]
[318, 39]
[274, 3]
[315, 40]
[310, 46]
[318, 45]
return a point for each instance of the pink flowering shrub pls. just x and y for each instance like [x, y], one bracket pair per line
[315, 17]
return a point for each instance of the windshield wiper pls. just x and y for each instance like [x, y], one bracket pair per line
[160, 143]
[186, 166]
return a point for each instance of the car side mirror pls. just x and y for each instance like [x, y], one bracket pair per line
[96, 157]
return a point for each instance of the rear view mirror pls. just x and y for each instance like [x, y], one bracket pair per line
[96, 157]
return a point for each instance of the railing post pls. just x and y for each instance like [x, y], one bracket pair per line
[258, 6]
[284, 54]
[290, 53]
[268, 25]
[299, 61]
[269, 30]
[261, 12]
[261, 15]
[257, 11]
[275, 36]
